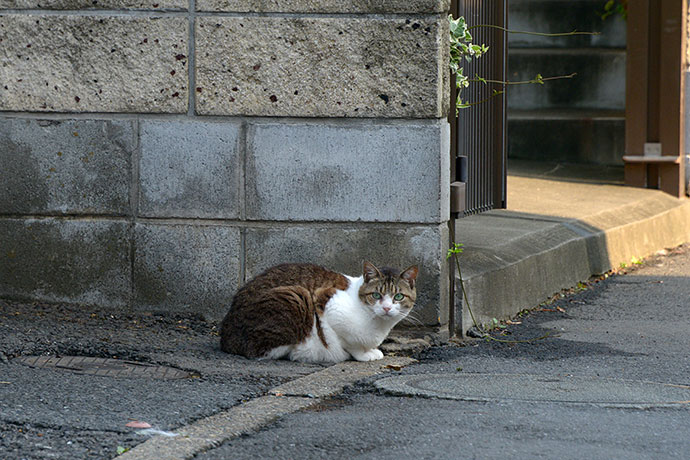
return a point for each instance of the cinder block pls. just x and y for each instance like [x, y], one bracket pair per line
[344, 248]
[322, 67]
[357, 172]
[325, 6]
[189, 169]
[93, 64]
[92, 4]
[66, 167]
[58, 260]
[192, 268]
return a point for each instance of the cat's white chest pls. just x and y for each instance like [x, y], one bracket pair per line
[354, 323]
[349, 329]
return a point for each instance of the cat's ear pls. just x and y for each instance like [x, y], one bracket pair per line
[370, 272]
[410, 275]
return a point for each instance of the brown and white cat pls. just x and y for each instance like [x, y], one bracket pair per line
[307, 313]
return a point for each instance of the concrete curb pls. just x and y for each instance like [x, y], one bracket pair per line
[516, 259]
[298, 394]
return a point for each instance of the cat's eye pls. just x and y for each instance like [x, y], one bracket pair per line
[376, 295]
[398, 297]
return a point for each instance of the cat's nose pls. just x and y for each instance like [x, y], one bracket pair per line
[386, 309]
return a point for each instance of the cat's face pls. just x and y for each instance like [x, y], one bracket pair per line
[389, 293]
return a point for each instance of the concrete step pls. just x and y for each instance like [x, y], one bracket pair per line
[572, 136]
[554, 16]
[599, 83]
[558, 231]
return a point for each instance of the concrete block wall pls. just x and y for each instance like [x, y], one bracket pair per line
[156, 154]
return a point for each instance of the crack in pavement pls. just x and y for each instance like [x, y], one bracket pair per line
[247, 417]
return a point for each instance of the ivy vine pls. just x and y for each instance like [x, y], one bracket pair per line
[462, 49]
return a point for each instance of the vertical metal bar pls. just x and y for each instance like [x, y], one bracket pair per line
[454, 125]
[499, 119]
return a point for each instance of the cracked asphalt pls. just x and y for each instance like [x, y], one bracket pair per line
[629, 326]
[47, 413]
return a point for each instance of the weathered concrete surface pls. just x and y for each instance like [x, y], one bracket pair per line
[95, 4]
[191, 268]
[558, 230]
[389, 173]
[65, 260]
[511, 263]
[344, 248]
[249, 417]
[538, 388]
[66, 167]
[93, 64]
[332, 380]
[189, 169]
[327, 6]
[322, 67]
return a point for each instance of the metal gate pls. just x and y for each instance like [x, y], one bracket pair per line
[478, 133]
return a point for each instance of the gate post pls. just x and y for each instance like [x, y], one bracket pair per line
[655, 95]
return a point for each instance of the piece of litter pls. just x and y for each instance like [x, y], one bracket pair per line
[6, 383]
[513, 322]
[155, 432]
[138, 424]
[393, 366]
[562, 310]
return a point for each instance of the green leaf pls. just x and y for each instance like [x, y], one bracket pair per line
[121, 450]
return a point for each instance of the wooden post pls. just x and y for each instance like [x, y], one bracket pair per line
[655, 93]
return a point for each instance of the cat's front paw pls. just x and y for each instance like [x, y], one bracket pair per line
[368, 355]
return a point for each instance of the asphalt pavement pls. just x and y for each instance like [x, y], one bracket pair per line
[611, 380]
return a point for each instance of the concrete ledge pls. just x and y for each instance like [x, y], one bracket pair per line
[516, 258]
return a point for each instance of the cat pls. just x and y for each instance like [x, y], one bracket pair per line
[307, 313]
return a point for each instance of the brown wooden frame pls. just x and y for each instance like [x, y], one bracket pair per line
[655, 94]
